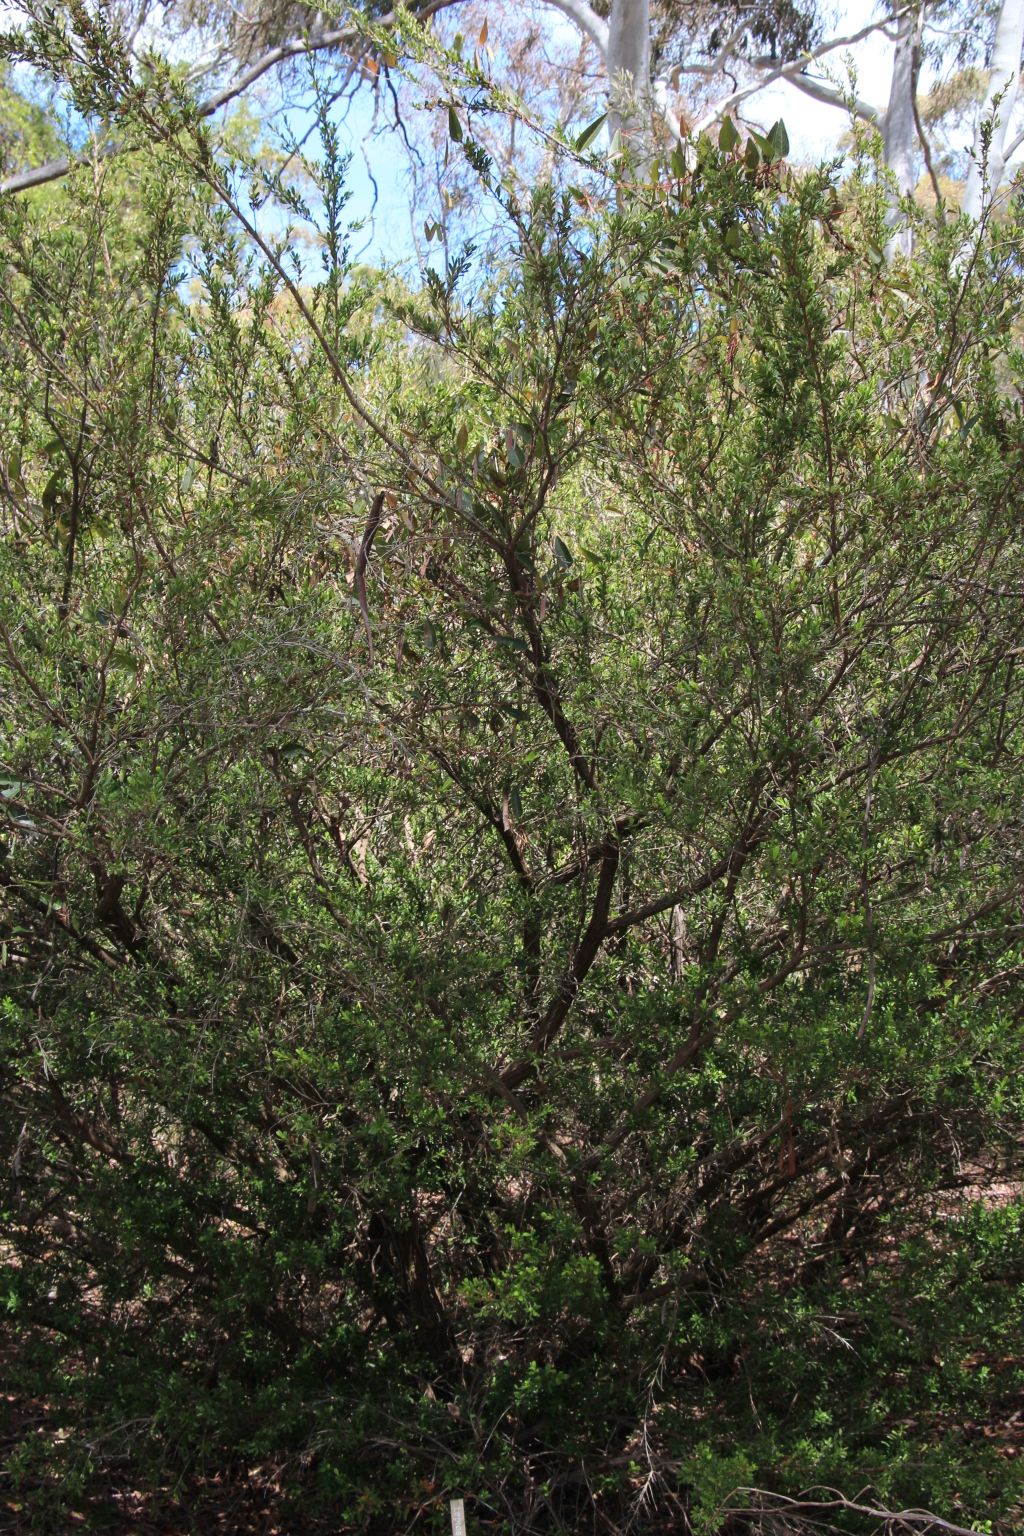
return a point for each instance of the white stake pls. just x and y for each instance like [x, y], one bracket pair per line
[458, 1517]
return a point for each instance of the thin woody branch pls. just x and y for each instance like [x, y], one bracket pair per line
[590, 944]
[339, 38]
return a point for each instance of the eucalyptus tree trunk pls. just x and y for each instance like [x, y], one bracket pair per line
[629, 64]
[899, 131]
[988, 161]
[624, 43]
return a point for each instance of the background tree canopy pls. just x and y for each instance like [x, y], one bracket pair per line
[511, 882]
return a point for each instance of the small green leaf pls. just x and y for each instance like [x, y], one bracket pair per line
[14, 477]
[515, 457]
[429, 636]
[752, 158]
[615, 149]
[732, 238]
[728, 136]
[187, 479]
[454, 126]
[515, 803]
[764, 144]
[463, 438]
[590, 133]
[562, 554]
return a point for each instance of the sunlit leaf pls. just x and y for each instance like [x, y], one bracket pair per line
[728, 136]
[778, 138]
[590, 133]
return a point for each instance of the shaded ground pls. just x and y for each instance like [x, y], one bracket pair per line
[250, 1501]
[246, 1501]
[53, 1477]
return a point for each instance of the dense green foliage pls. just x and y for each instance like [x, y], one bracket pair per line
[568, 1060]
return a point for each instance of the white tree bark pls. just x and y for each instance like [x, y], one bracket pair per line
[821, 90]
[986, 172]
[659, 95]
[899, 130]
[628, 61]
[589, 22]
[625, 49]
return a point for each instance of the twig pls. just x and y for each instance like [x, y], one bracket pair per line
[339, 37]
[908, 1516]
[862, 1031]
[372, 524]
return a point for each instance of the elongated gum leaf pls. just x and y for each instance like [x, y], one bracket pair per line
[590, 133]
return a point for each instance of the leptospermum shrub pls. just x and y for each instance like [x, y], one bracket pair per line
[573, 1061]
